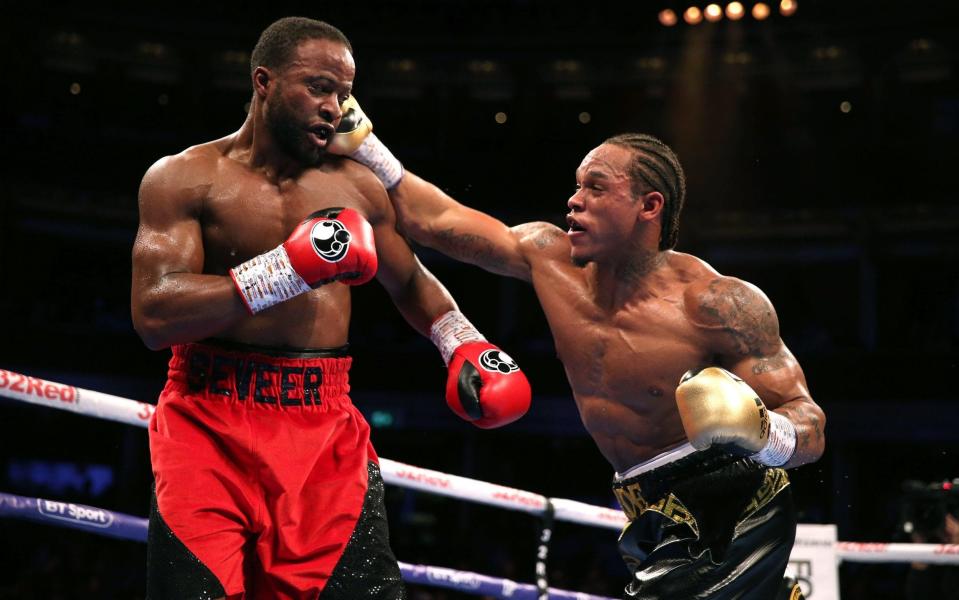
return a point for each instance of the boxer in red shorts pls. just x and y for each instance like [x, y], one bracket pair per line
[267, 485]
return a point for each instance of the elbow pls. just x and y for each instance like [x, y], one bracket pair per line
[151, 329]
[414, 228]
[810, 427]
[813, 434]
[412, 220]
[151, 336]
[821, 430]
[421, 233]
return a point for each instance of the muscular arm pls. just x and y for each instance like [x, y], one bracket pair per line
[418, 295]
[434, 219]
[744, 328]
[172, 301]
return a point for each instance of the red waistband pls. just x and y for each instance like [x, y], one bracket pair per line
[257, 378]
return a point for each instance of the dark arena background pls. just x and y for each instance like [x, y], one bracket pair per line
[821, 154]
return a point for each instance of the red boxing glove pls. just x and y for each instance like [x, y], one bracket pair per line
[334, 244]
[485, 386]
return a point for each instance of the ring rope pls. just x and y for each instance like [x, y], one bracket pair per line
[106, 406]
[101, 521]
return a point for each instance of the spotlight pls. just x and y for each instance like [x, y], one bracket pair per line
[713, 13]
[760, 11]
[585, 117]
[735, 11]
[500, 117]
[845, 107]
[667, 17]
[787, 8]
[693, 15]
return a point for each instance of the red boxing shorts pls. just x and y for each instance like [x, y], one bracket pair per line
[267, 485]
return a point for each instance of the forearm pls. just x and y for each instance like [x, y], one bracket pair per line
[809, 422]
[433, 219]
[186, 307]
[421, 209]
[485, 385]
[422, 300]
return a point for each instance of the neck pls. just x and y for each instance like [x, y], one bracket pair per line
[255, 146]
[616, 283]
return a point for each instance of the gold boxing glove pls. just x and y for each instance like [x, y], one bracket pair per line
[718, 408]
[354, 138]
[353, 128]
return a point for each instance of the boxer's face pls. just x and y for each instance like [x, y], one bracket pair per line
[603, 211]
[303, 102]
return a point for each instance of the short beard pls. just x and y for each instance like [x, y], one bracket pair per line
[283, 126]
[579, 262]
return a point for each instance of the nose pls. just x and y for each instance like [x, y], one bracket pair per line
[330, 109]
[575, 202]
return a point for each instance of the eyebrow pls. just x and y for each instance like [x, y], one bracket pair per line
[326, 79]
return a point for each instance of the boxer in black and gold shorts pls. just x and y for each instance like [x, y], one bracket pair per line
[707, 525]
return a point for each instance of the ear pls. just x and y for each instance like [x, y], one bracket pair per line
[262, 81]
[650, 206]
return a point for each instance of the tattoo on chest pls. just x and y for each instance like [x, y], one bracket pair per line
[744, 316]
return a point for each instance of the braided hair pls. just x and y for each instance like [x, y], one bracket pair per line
[656, 167]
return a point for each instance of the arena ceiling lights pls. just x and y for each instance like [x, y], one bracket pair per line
[733, 11]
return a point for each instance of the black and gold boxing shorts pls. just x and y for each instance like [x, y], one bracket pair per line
[707, 525]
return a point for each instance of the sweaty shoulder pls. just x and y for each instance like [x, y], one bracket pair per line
[366, 183]
[736, 310]
[185, 177]
[540, 239]
[360, 175]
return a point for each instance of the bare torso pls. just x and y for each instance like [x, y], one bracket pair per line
[242, 213]
[624, 361]
[631, 322]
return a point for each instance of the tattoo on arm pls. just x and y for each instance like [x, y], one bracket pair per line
[745, 316]
[467, 246]
[809, 434]
[768, 364]
[546, 237]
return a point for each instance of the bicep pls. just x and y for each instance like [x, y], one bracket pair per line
[743, 332]
[397, 264]
[418, 295]
[744, 328]
[169, 237]
[398, 270]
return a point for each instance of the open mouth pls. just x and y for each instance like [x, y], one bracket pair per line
[321, 134]
[574, 226]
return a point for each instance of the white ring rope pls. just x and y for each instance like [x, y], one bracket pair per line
[881, 552]
[114, 408]
[100, 521]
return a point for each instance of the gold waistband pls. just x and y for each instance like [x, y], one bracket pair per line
[630, 497]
